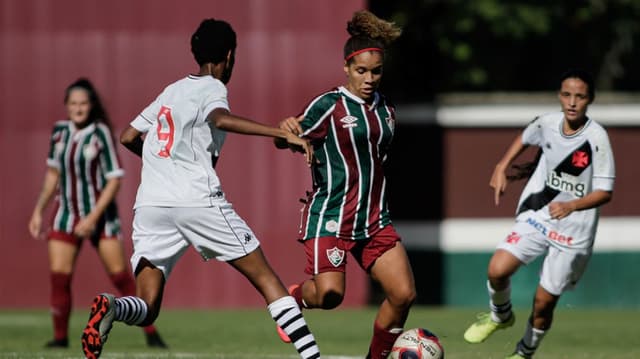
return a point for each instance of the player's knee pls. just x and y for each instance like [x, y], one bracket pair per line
[331, 299]
[498, 277]
[408, 298]
[543, 307]
[402, 298]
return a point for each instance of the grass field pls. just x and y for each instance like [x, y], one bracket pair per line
[341, 334]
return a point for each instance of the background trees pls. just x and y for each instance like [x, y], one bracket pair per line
[494, 45]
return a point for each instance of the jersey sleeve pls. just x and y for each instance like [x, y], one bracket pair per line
[148, 117]
[533, 133]
[315, 123]
[108, 157]
[52, 158]
[216, 98]
[604, 172]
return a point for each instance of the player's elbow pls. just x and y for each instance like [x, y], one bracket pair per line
[129, 136]
[220, 118]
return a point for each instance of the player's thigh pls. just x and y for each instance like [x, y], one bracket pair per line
[393, 271]
[562, 269]
[156, 239]
[62, 255]
[255, 267]
[111, 253]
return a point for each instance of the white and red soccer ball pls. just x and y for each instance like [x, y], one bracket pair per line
[417, 343]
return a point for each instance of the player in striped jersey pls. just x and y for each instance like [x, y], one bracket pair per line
[557, 213]
[84, 169]
[180, 202]
[351, 128]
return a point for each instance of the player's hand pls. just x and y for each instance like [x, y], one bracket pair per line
[85, 227]
[35, 224]
[499, 183]
[559, 210]
[292, 124]
[299, 144]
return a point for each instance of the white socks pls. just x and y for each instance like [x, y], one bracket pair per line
[500, 303]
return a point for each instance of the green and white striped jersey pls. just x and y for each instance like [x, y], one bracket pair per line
[86, 159]
[351, 139]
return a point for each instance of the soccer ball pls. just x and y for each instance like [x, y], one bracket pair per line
[417, 343]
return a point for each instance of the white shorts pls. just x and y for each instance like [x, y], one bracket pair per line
[162, 234]
[562, 267]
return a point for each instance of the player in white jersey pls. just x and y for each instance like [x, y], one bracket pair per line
[180, 202]
[557, 213]
[84, 171]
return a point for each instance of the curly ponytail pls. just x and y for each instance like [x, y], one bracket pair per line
[368, 33]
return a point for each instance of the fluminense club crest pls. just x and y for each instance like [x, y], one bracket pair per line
[335, 255]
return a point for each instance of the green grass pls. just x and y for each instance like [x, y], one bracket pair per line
[343, 333]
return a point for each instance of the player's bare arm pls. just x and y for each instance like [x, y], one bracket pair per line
[499, 177]
[49, 186]
[132, 140]
[87, 224]
[224, 120]
[559, 210]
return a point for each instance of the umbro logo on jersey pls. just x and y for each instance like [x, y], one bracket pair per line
[349, 121]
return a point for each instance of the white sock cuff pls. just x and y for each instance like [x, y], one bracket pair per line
[499, 296]
[280, 304]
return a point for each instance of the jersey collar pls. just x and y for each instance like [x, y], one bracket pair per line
[577, 133]
[374, 103]
[79, 132]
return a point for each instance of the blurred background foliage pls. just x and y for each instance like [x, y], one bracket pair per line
[493, 45]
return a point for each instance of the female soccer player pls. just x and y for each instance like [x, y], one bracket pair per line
[83, 169]
[180, 201]
[350, 128]
[557, 213]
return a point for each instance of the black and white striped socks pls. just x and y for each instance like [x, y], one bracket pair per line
[287, 314]
[131, 310]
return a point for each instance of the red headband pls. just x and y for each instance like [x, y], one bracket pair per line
[361, 51]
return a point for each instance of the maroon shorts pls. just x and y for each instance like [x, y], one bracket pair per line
[75, 240]
[328, 254]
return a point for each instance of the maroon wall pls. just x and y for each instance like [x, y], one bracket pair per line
[472, 153]
[288, 51]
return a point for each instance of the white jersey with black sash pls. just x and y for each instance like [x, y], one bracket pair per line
[570, 167]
